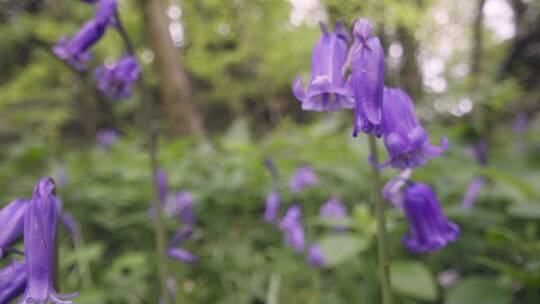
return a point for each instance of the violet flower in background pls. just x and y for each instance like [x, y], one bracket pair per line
[39, 234]
[367, 79]
[71, 225]
[429, 229]
[181, 205]
[472, 192]
[106, 138]
[181, 235]
[117, 81]
[333, 209]
[272, 207]
[12, 222]
[161, 179]
[327, 89]
[291, 225]
[315, 256]
[182, 255]
[105, 12]
[391, 190]
[12, 281]
[406, 141]
[303, 177]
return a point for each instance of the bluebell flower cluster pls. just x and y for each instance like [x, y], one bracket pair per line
[291, 223]
[114, 80]
[36, 220]
[383, 112]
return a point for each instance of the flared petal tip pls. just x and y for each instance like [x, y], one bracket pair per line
[435, 151]
[298, 89]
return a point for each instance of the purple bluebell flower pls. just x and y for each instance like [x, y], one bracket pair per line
[106, 138]
[429, 229]
[367, 78]
[181, 205]
[303, 177]
[335, 210]
[12, 222]
[76, 50]
[315, 256]
[117, 81]
[71, 225]
[39, 233]
[272, 206]
[480, 152]
[182, 234]
[392, 189]
[406, 141]
[182, 255]
[161, 180]
[12, 281]
[327, 89]
[291, 225]
[472, 192]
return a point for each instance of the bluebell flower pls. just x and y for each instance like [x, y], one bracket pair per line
[291, 225]
[472, 192]
[302, 178]
[182, 255]
[406, 141]
[272, 206]
[328, 89]
[367, 78]
[117, 81]
[315, 256]
[106, 138]
[333, 209]
[162, 188]
[429, 229]
[39, 234]
[12, 222]
[71, 225]
[12, 281]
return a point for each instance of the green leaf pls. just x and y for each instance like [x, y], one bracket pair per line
[340, 247]
[478, 290]
[528, 210]
[413, 279]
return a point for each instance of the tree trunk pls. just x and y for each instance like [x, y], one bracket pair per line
[182, 115]
[477, 43]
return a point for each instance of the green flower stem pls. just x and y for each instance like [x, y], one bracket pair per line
[159, 229]
[382, 241]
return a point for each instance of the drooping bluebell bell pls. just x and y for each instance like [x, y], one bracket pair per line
[406, 141]
[333, 209]
[39, 234]
[429, 229]
[367, 79]
[291, 225]
[71, 225]
[272, 206]
[182, 255]
[76, 50]
[12, 222]
[392, 189]
[303, 177]
[181, 205]
[182, 234]
[162, 188]
[117, 81]
[472, 192]
[315, 256]
[106, 138]
[12, 281]
[327, 89]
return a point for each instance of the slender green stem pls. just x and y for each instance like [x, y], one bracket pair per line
[382, 242]
[272, 295]
[158, 223]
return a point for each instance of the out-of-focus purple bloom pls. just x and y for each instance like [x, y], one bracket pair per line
[303, 177]
[181, 205]
[367, 79]
[335, 210]
[71, 225]
[472, 192]
[480, 151]
[327, 89]
[39, 233]
[272, 206]
[291, 225]
[117, 81]
[521, 123]
[315, 256]
[406, 141]
[106, 138]
[181, 235]
[391, 190]
[429, 229]
[76, 50]
[182, 255]
[161, 180]
[12, 281]
[12, 222]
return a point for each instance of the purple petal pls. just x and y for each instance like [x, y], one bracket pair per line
[12, 222]
[182, 255]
